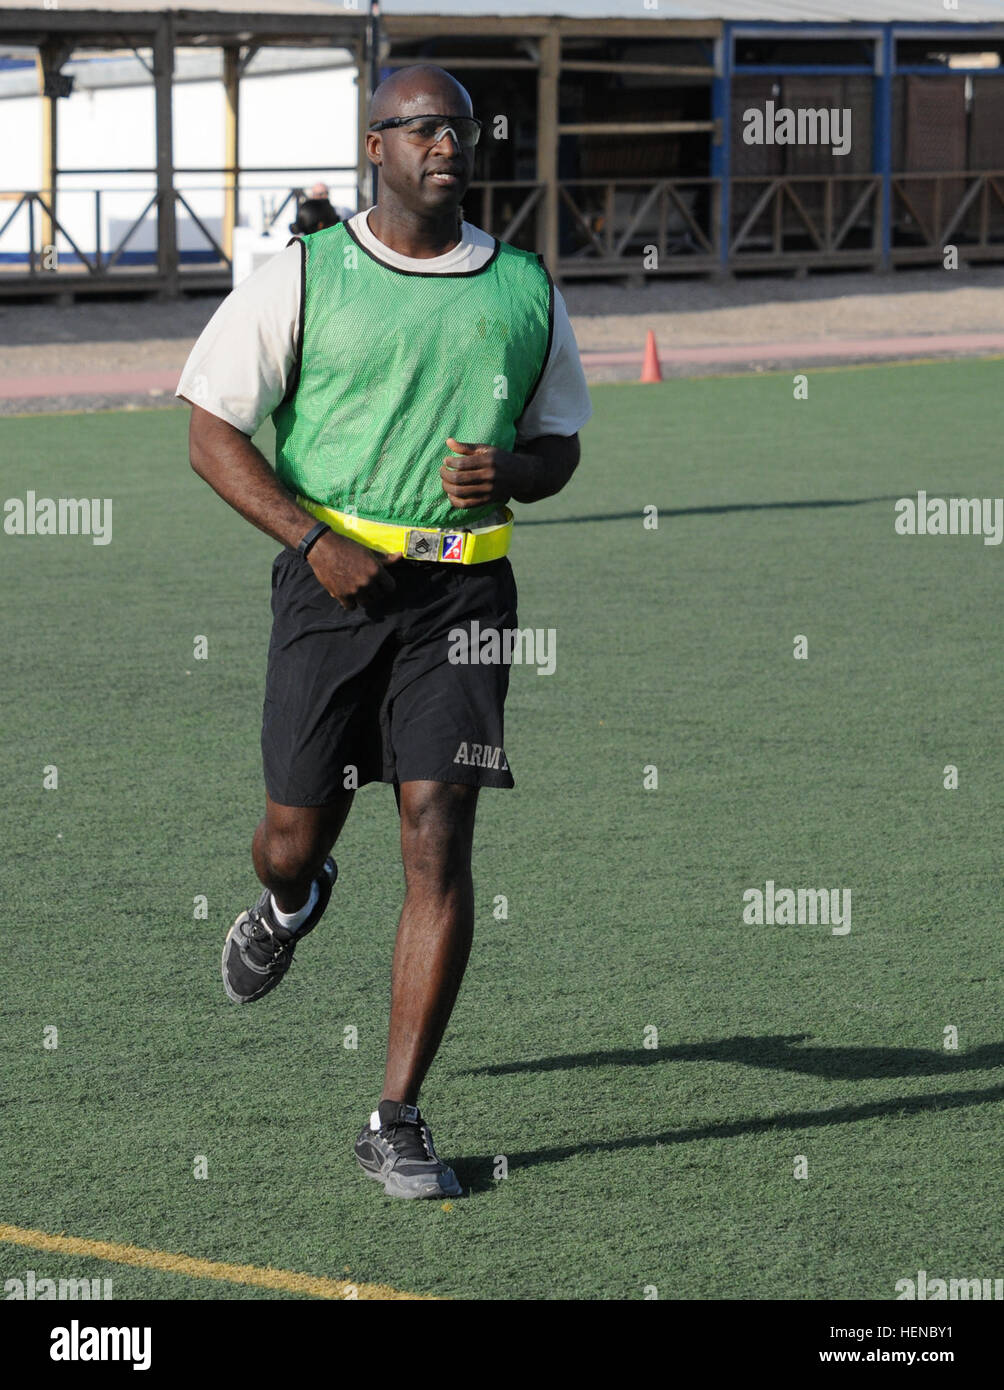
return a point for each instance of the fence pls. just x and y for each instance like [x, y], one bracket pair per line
[607, 226]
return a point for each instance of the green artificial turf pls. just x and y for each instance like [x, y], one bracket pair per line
[628, 1166]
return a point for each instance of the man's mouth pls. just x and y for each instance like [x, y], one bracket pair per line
[443, 177]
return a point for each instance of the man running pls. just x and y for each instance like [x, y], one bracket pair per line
[419, 374]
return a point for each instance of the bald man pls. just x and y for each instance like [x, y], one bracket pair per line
[420, 374]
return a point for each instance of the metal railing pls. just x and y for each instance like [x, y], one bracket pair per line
[607, 225]
[32, 200]
[619, 220]
[811, 214]
[506, 204]
[43, 212]
[97, 262]
[930, 211]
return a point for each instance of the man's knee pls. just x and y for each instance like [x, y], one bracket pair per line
[437, 823]
[288, 854]
[291, 843]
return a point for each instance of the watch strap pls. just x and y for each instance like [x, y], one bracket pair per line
[314, 534]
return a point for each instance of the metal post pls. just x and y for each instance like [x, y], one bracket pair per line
[167, 231]
[373, 36]
[548, 77]
[231, 144]
[31, 234]
[882, 144]
[362, 112]
[721, 141]
[50, 155]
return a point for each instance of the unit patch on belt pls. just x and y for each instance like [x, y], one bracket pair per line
[422, 545]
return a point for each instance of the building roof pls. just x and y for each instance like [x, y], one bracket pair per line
[114, 23]
[928, 12]
[786, 11]
[282, 8]
[19, 76]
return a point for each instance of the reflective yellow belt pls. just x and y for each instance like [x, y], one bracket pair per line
[467, 547]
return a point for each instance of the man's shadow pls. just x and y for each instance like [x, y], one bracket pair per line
[777, 1053]
[716, 510]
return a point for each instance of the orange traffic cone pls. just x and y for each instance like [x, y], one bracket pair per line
[651, 371]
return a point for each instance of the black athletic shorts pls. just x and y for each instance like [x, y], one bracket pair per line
[371, 695]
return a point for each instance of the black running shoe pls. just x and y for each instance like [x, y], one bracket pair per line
[258, 952]
[398, 1152]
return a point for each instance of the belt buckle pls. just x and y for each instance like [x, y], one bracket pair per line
[422, 545]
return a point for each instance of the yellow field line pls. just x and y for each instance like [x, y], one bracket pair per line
[312, 1285]
[82, 410]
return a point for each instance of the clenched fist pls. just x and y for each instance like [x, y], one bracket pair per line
[481, 474]
[351, 573]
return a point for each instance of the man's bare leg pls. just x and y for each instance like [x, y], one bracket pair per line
[290, 848]
[435, 931]
[291, 845]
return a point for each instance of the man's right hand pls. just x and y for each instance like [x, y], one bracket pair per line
[351, 573]
[236, 470]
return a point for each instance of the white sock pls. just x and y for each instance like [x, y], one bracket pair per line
[289, 921]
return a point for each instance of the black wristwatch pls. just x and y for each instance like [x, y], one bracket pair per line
[314, 534]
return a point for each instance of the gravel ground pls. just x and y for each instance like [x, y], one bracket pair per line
[133, 333]
[761, 309]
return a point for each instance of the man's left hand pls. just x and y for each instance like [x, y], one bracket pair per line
[481, 474]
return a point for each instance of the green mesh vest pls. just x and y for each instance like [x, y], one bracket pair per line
[392, 362]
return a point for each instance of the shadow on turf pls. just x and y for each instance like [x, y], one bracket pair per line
[710, 511]
[477, 1173]
[778, 1054]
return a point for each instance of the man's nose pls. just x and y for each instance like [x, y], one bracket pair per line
[448, 130]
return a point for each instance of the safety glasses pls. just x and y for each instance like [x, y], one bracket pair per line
[429, 130]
